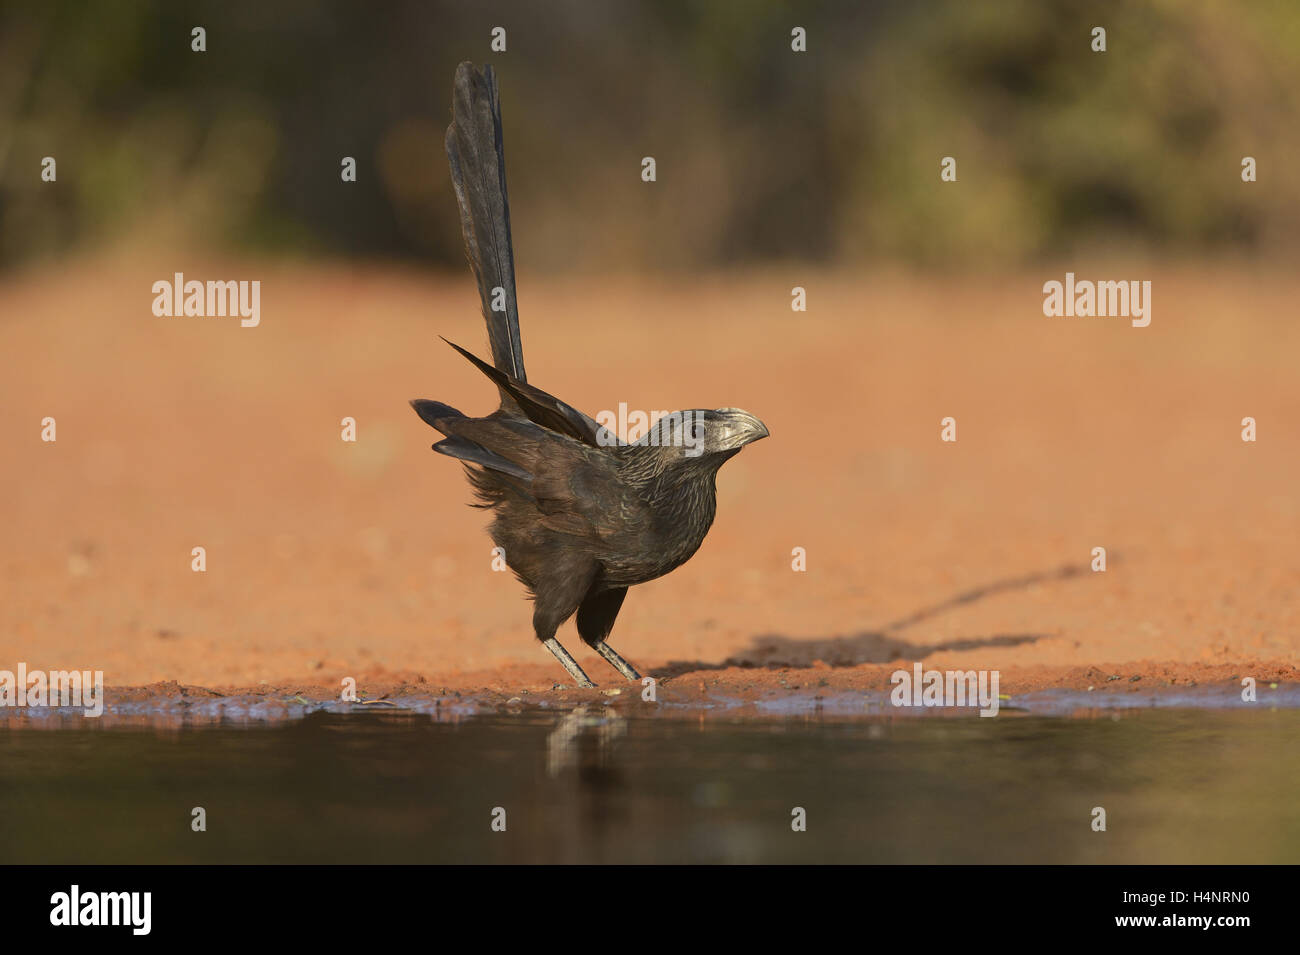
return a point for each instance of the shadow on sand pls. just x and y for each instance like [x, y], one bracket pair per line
[883, 645]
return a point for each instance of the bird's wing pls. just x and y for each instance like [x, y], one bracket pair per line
[466, 450]
[577, 490]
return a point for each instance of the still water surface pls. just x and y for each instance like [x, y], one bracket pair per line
[592, 785]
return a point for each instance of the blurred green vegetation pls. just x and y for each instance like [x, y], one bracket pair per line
[762, 153]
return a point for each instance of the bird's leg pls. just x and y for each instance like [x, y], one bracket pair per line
[596, 617]
[569, 663]
[616, 661]
[557, 594]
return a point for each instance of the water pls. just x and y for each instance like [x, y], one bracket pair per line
[595, 785]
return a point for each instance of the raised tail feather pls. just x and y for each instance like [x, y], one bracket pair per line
[478, 174]
[538, 406]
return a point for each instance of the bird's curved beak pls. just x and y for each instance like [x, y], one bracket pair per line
[741, 428]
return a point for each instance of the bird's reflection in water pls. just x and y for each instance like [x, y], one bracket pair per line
[581, 753]
[583, 740]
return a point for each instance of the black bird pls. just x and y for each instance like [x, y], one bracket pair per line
[580, 514]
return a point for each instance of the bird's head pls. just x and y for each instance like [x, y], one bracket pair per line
[704, 435]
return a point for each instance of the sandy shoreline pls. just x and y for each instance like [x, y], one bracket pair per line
[820, 691]
[327, 559]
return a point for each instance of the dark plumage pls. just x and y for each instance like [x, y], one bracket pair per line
[580, 515]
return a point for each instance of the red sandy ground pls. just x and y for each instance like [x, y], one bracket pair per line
[328, 559]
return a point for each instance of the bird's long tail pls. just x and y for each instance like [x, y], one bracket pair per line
[478, 174]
